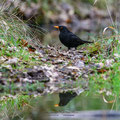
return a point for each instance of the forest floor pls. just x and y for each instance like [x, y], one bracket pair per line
[27, 71]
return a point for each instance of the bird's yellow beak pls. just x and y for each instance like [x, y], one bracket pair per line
[56, 27]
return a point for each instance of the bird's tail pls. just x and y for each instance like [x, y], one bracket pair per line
[87, 41]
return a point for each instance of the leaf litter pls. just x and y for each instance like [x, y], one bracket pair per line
[53, 71]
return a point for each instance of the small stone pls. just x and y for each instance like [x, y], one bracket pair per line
[43, 59]
[58, 61]
[12, 61]
[99, 65]
[7, 66]
[117, 55]
[2, 59]
[39, 53]
[3, 41]
[80, 64]
[73, 68]
[108, 63]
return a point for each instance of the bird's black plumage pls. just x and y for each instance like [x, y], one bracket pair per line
[69, 39]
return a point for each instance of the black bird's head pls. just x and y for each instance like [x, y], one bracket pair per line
[62, 28]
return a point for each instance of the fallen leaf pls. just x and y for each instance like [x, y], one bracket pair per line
[24, 42]
[103, 70]
[31, 49]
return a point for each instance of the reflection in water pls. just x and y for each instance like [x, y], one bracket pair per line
[76, 107]
[72, 102]
[66, 97]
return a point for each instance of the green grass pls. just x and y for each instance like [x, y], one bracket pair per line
[109, 81]
[12, 29]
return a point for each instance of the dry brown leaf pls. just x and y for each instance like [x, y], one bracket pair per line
[102, 70]
[24, 42]
[31, 49]
[68, 21]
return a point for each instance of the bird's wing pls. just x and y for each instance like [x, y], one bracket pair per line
[75, 38]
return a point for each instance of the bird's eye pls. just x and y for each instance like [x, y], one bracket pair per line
[61, 27]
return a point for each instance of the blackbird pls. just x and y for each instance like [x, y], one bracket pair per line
[65, 98]
[69, 39]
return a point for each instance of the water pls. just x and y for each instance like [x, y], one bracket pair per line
[79, 103]
[82, 107]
